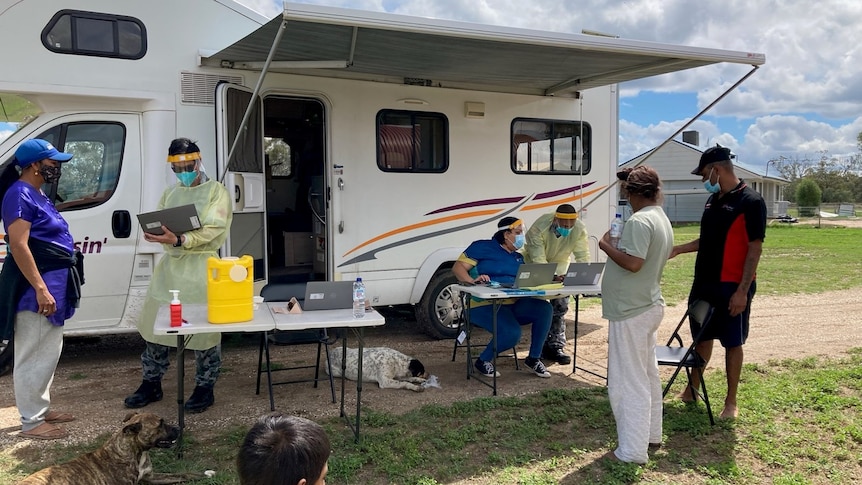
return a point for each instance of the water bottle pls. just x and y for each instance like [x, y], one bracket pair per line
[358, 298]
[616, 230]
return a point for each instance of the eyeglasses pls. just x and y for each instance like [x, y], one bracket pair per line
[180, 168]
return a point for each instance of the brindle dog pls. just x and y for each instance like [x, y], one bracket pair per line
[123, 459]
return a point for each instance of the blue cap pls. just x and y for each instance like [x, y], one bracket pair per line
[35, 150]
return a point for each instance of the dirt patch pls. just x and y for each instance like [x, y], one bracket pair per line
[95, 375]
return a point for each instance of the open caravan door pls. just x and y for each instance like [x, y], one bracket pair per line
[243, 173]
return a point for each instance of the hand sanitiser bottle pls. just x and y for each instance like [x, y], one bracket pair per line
[176, 309]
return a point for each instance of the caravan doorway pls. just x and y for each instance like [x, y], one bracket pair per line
[295, 148]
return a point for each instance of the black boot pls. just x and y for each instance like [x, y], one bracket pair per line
[201, 398]
[149, 391]
[556, 355]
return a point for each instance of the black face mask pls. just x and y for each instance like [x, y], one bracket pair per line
[50, 174]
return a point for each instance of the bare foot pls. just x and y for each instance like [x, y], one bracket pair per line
[730, 411]
[687, 396]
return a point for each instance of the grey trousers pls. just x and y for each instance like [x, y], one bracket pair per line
[38, 345]
[557, 334]
[155, 362]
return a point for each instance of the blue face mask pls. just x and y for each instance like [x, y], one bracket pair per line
[187, 178]
[520, 239]
[564, 231]
[712, 188]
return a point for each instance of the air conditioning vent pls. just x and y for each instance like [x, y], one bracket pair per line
[199, 88]
[417, 81]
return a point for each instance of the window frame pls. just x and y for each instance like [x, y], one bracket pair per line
[582, 128]
[88, 15]
[414, 116]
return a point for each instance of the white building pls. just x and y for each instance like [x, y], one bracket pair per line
[684, 195]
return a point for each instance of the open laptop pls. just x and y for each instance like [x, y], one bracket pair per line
[533, 274]
[583, 274]
[178, 219]
[328, 295]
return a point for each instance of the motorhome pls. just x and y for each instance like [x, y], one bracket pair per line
[356, 144]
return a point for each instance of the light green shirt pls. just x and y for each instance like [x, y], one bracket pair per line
[647, 235]
[543, 246]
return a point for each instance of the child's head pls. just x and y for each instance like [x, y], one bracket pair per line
[283, 450]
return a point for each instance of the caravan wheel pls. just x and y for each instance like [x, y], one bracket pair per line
[438, 311]
[7, 356]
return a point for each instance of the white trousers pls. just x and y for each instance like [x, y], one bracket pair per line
[634, 387]
[38, 345]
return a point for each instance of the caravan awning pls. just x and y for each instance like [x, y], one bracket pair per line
[382, 47]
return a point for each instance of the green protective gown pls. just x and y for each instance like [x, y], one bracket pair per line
[543, 246]
[185, 268]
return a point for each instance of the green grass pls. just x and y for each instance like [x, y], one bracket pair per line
[795, 259]
[802, 422]
[802, 425]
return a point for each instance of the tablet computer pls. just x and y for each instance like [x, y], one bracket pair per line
[178, 219]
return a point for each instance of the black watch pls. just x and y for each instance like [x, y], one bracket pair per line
[179, 242]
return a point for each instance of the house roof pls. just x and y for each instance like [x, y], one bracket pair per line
[382, 47]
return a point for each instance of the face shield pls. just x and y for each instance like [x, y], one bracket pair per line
[185, 169]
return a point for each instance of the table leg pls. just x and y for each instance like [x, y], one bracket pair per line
[495, 308]
[360, 347]
[360, 336]
[575, 345]
[181, 412]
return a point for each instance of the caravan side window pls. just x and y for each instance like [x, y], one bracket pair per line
[412, 141]
[95, 34]
[91, 176]
[551, 146]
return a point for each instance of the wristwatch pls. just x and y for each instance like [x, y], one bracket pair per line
[179, 242]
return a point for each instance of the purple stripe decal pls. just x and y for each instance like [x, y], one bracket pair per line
[504, 200]
[556, 193]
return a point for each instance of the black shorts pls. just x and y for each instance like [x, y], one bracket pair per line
[730, 331]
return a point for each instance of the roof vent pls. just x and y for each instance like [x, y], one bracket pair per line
[691, 137]
[199, 88]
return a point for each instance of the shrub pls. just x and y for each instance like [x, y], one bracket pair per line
[808, 196]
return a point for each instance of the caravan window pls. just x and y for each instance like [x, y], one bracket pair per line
[412, 141]
[95, 34]
[91, 176]
[551, 146]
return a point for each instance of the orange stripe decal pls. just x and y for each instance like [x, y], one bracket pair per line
[555, 202]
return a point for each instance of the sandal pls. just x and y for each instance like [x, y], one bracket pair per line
[45, 431]
[58, 417]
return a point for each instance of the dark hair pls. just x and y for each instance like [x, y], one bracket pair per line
[503, 228]
[8, 177]
[566, 209]
[282, 449]
[643, 181]
[181, 146]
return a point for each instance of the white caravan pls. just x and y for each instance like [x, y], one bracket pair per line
[378, 145]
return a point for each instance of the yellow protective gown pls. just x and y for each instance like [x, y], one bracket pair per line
[543, 246]
[185, 268]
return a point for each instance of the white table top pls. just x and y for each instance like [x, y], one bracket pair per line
[322, 318]
[489, 293]
[264, 319]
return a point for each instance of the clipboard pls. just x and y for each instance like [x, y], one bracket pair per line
[178, 219]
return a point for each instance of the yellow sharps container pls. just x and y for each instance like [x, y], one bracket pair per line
[230, 289]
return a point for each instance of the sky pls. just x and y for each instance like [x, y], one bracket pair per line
[805, 102]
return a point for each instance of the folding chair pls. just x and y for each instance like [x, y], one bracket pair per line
[464, 334]
[699, 314]
[284, 292]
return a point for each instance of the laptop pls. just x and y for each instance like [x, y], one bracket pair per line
[179, 219]
[583, 274]
[328, 295]
[533, 274]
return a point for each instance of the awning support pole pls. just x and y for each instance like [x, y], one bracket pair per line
[244, 123]
[677, 132]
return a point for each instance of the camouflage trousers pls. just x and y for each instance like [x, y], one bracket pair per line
[557, 334]
[155, 362]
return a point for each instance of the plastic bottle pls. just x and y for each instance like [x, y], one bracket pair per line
[358, 298]
[616, 230]
[176, 309]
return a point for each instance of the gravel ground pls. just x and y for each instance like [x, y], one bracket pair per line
[95, 375]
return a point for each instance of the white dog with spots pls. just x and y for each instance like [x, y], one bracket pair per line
[389, 368]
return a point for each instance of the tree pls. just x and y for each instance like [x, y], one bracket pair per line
[808, 196]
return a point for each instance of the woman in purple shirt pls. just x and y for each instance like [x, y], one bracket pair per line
[39, 284]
